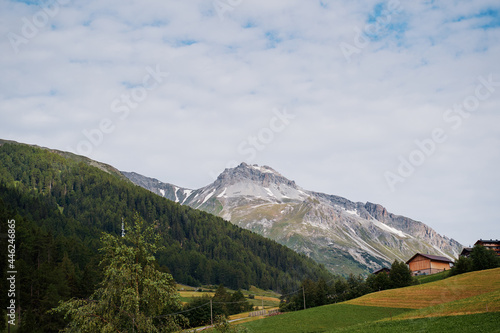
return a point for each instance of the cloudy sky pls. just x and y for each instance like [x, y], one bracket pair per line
[392, 102]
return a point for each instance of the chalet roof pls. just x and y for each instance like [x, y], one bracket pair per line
[384, 269]
[494, 241]
[431, 257]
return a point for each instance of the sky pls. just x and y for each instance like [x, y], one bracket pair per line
[391, 102]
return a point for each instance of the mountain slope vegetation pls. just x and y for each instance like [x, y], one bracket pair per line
[62, 204]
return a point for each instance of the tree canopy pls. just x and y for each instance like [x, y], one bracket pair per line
[134, 295]
[480, 258]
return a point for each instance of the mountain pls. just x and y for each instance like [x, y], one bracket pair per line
[345, 236]
[61, 204]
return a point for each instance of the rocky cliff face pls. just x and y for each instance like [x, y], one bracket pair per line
[345, 236]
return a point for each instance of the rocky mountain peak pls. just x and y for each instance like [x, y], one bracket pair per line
[377, 211]
[345, 236]
[262, 175]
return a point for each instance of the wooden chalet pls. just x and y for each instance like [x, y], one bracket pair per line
[426, 264]
[382, 270]
[492, 244]
[466, 252]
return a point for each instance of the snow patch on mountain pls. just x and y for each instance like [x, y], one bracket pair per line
[223, 193]
[175, 193]
[263, 169]
[208, 197]
[390, 229]
[352, 212]
[364, 245]
[441, 251]
[271, 194]
[187, 193]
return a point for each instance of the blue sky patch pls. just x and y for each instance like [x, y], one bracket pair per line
[185, 42]
[381, 23]
[157, 23]
[376, 13]
[273, 38]
[494, 18]
[490, 16]
[249, 25]
[30, 2]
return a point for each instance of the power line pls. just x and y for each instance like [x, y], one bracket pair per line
[188, 310]
[211, 303]
[180, 312]
[230, 302]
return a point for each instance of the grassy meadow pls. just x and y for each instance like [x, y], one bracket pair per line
[269, 299]
[434, 293]
[476, 323]
[322, 318]
[422, 279]
[465, 303]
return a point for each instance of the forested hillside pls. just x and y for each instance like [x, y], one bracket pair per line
[61, 205]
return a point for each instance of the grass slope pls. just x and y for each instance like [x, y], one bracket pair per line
[322, 318]
[484, 322]
[422, 279]
[434, 293]
[464, 303]
[488, 302]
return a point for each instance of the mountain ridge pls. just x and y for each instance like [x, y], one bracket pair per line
[61, 206]
[78, 158]
[346, 236]
[198, 248]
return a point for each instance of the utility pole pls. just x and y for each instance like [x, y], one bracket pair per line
[304, 294]
[211, 314]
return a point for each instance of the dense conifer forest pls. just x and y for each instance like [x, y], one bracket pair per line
[61, 206]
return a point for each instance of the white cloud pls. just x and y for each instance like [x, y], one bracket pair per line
[353, 120]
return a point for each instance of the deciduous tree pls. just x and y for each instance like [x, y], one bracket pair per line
[134, 296]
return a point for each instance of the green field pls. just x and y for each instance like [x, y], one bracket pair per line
[464, 303]
[322, 319]
[482, 322]
[422, 279]
[435, 293]
[488, 302]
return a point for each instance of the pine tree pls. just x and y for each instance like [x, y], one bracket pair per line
[379, 281]
[221, 297]
[483, 258]
[133, 295]
[238, 303]
[400, 275]
[461, 265]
